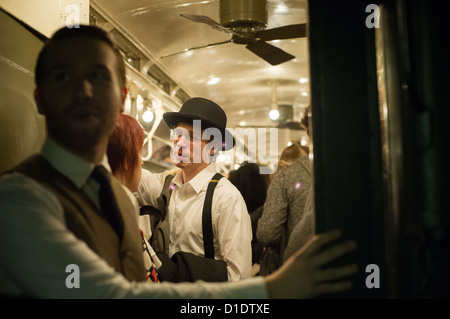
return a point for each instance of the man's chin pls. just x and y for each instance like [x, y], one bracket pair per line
[182, 162]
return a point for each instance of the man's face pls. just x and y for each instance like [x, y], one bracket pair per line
[188, 147]
[81, 95]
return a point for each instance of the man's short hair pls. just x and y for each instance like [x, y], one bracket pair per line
[83, 31]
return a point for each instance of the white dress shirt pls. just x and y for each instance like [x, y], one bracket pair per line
[37, 247]
[231, 222]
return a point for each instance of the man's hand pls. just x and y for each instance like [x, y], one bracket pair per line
[302, 276]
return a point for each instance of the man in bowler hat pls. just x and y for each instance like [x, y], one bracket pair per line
[198, 132]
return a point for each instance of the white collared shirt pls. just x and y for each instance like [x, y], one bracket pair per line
[231, 222]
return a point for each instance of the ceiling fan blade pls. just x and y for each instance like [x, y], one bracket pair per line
[269, 53]
[207, 20]
[195, 48]
[286, 32]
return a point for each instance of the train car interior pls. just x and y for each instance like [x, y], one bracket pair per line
[371, 77]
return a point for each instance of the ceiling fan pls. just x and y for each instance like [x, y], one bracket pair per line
[246, 21]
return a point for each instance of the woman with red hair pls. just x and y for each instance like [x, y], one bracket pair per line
[124, 156]
[124, 151]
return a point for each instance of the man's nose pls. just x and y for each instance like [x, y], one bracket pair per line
[183, 141]
[83, 88]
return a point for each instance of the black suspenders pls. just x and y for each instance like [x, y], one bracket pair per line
[208, 242]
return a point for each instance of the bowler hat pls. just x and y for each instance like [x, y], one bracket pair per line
[210, 114]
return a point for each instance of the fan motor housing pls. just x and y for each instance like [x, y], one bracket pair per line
[236, 13]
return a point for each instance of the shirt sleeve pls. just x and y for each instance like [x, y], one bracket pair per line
[150, 188]
[37, 249]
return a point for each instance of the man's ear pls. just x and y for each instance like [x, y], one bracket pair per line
[39, 102]
[124, 96]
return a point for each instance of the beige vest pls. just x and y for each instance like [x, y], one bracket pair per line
[84, 219]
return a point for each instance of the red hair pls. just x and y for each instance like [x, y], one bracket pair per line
[125, 144]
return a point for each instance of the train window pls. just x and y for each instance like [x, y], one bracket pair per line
[22, 128]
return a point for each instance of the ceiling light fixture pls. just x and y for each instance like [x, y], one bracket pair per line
[148, 116]
[304, 141]
[213, 80]
[303, 80]
[274, 114]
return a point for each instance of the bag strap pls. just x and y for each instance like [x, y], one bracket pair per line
[164, 198]
[208, 242]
